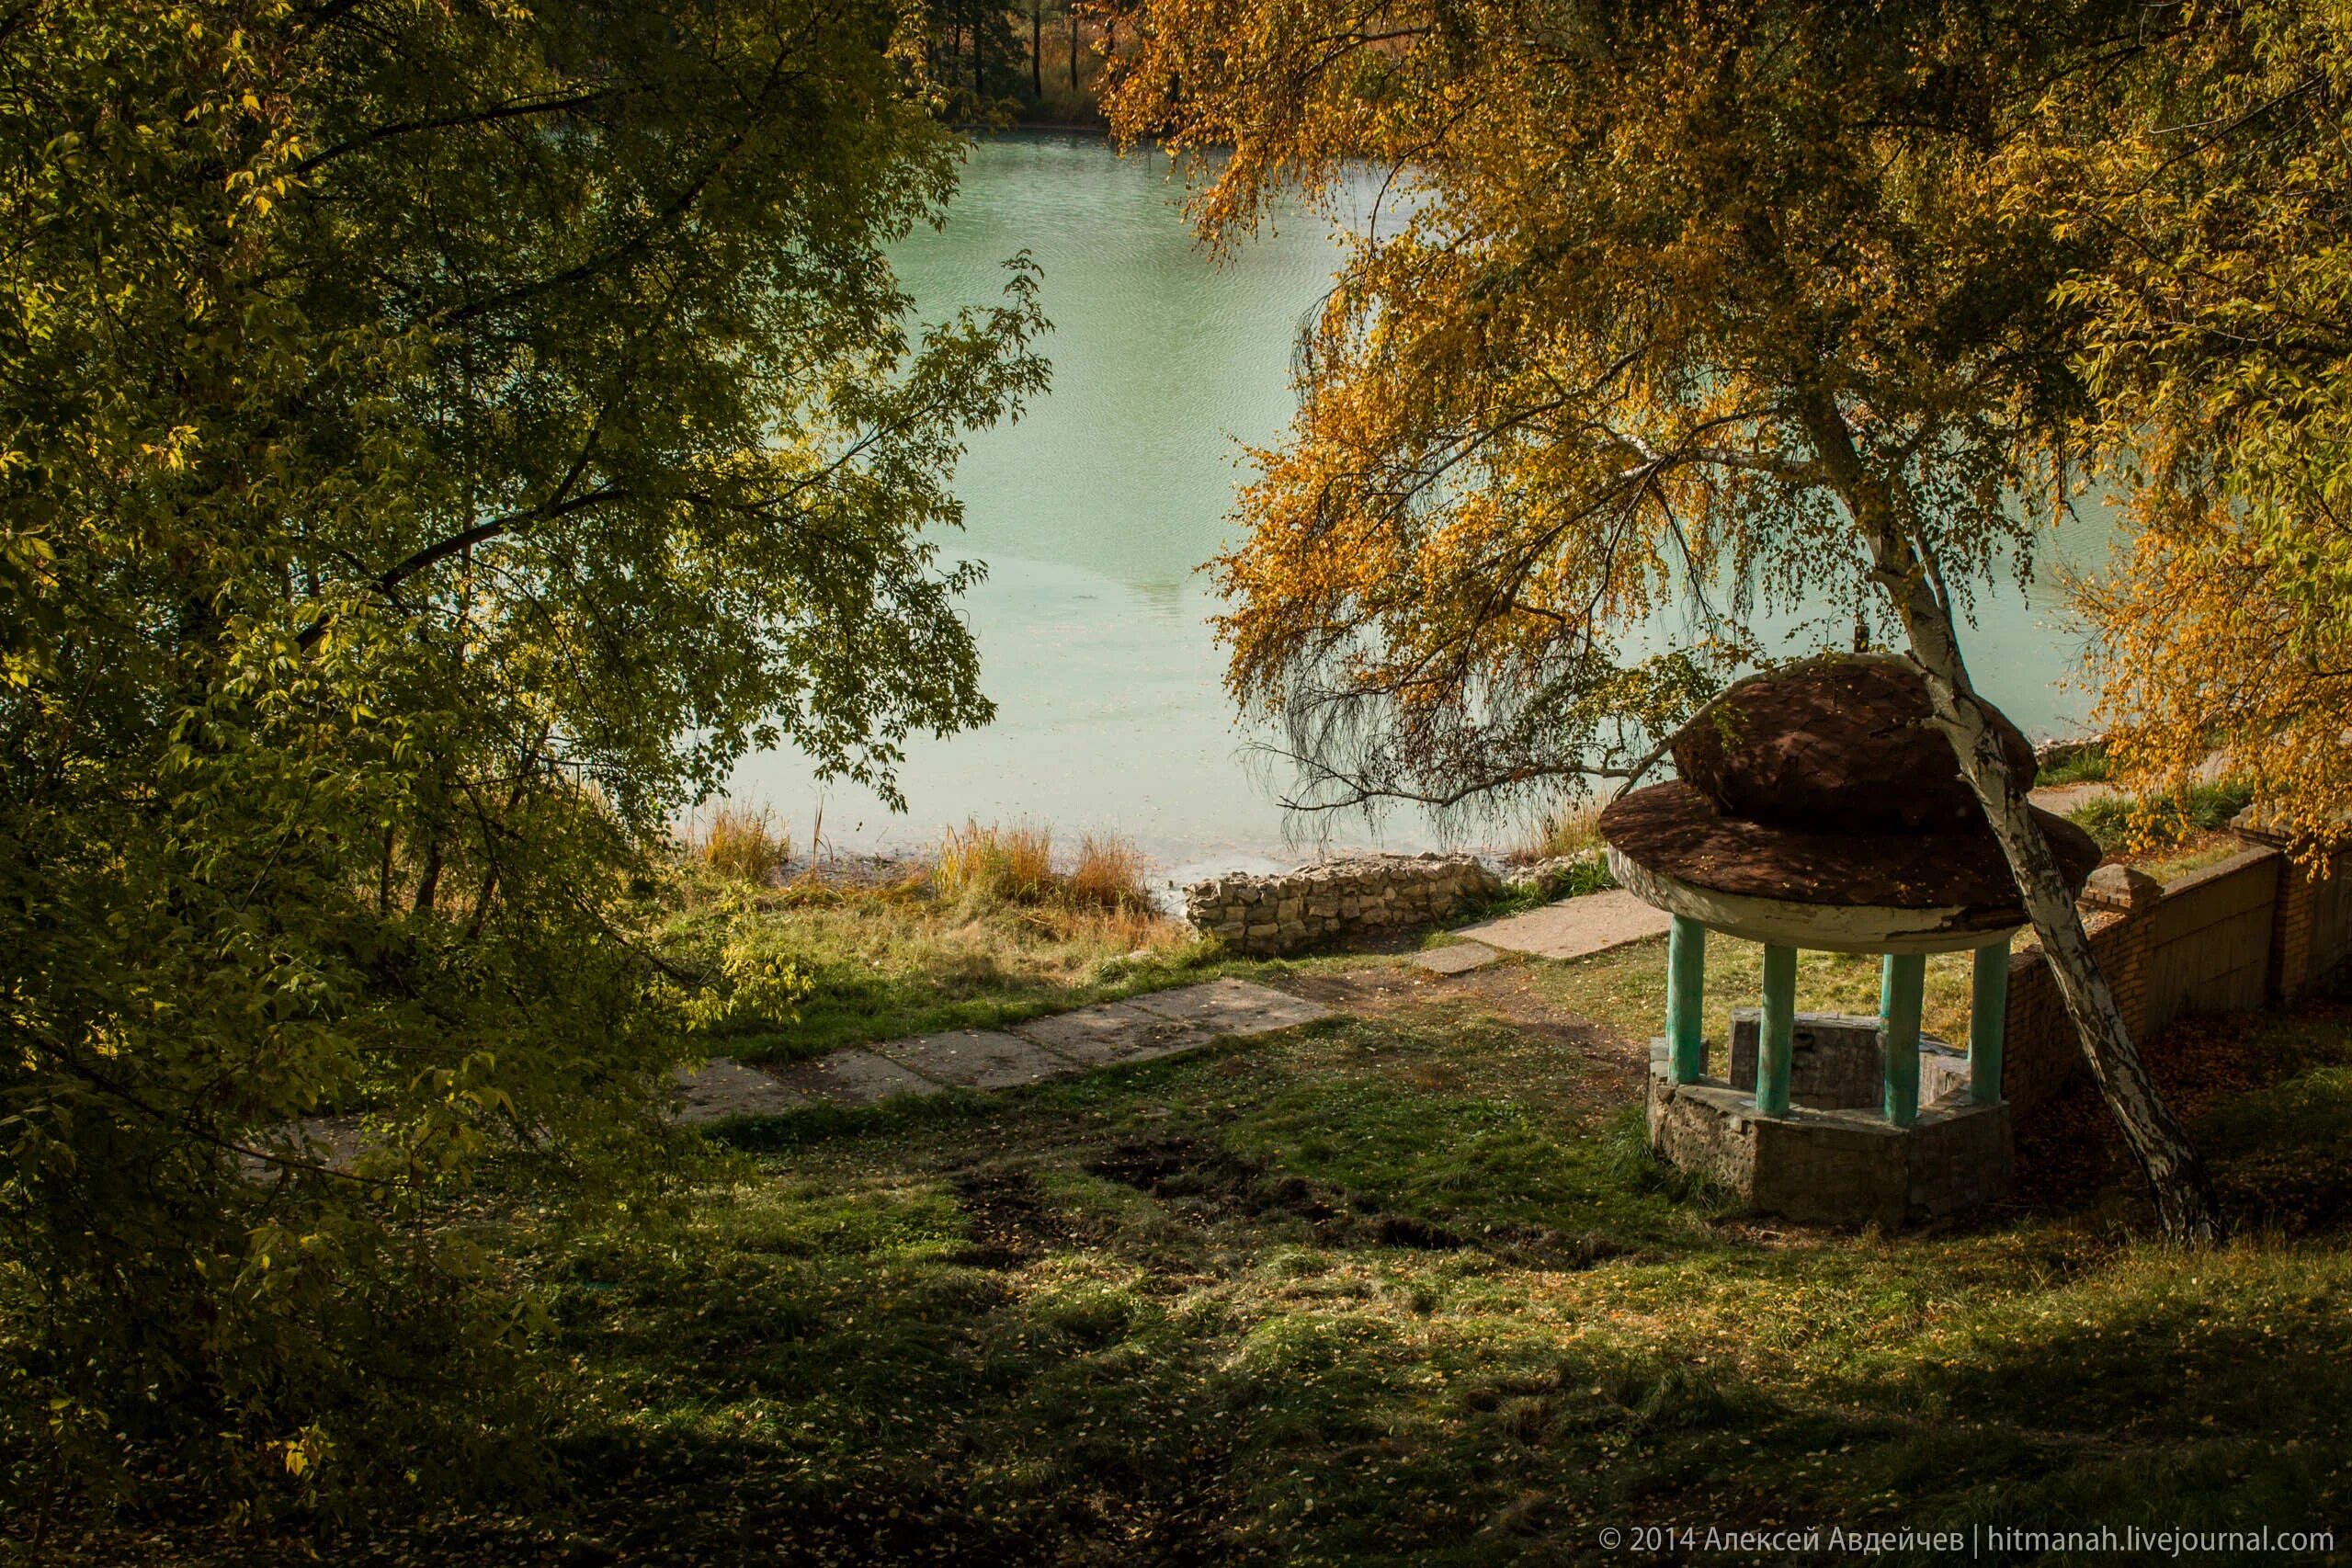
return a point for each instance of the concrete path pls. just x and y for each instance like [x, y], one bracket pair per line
[1459, 958]
[1160, 1023]
[1573, 927]
[1107, 1034]
[2062, 799]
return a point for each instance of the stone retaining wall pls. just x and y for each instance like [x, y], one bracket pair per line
[1368, 894]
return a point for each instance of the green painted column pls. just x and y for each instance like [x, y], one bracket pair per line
[1886, 987]
[1907, 982]
[1685, 991]
[1988, 1022]
[1778, 1031]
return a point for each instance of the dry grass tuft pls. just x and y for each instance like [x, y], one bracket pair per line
[1568, 830]
[993, 866]
[997, 864]
[740, 843]
[1109, 875]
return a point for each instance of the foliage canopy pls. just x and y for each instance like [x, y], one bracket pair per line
[1565, 404]
[2219, 333]
[435, 440]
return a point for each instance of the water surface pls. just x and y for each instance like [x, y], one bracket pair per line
[1096, 511]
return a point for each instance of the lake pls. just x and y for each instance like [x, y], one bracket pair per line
[1094, 513]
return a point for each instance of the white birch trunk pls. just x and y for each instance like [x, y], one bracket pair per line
[2175, 1175]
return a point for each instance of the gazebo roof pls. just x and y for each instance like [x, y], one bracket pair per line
[1825, 788]
[1672, 829]
[1843, 743]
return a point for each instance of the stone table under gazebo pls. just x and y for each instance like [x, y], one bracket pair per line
[1817, 808]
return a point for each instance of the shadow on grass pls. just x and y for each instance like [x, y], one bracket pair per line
[1322, 1302]
[1395, 1293]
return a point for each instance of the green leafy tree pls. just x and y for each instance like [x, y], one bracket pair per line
[436, 441]
[1694, 310]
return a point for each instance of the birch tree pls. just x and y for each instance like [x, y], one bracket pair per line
[1670, 315]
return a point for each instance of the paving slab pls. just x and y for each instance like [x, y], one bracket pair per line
[1460, 959]
[855, 1076]
[977, 1059]
[1232, 1007]
[1112, 1032]
[1101, 1036]
[1574, 927]
[724, 1087]
[2063, 799]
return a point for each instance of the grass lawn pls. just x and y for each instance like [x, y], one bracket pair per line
[1404, 1289]
[897, 956]
[1401, 1288]
[896, 959]
[889, 962]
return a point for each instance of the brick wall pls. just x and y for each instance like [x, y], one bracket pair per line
[2255, 928]
[2329, 920]
[2209, 944]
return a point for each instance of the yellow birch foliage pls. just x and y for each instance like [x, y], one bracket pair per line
[1550, 467]
[2221, 335]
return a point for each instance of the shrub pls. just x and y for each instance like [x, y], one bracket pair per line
[2084, 763]
[2158, 821]
[754, 984]
[741, 843]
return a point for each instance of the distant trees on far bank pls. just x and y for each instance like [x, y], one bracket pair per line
[1035, 59]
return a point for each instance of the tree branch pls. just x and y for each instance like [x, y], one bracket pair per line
[515, 110]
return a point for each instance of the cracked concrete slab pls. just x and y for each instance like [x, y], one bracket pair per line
[1104, 1035]
[725, 1087]
[855, 1076]
[977, 1059]
[1460, 959]
[1232, 1007]
[1113, 1032]
[1573, 927]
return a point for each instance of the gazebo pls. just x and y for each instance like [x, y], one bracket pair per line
[1817, 808]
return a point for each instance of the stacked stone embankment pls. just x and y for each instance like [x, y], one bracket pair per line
[1368, 894]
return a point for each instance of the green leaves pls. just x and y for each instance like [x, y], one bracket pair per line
[434, 444]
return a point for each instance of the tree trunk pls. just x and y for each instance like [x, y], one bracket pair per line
[428, 884]
[1074, 45]
[979, 63]
[1037, 49]
[2176, 1177]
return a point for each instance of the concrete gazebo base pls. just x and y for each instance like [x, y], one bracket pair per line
[1832, 1165]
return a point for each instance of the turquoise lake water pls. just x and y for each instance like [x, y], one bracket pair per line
[1096, 511]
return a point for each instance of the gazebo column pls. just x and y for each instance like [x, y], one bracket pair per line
[1988, 1022]
[1777, 1033]
[1686, 989]
[1903, 983]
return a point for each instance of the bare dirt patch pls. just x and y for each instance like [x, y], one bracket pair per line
[1205, 1182]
